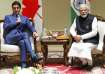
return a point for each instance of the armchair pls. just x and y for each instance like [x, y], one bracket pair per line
[7, 50]
[98, 53]
[104, 45]
[101, 31]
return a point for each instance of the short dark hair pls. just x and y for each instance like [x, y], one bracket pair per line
[16, 3]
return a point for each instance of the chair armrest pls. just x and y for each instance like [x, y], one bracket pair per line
[70, 41]
[104, 44]
[35, 44]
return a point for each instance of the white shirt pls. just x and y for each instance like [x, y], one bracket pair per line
[87, 35]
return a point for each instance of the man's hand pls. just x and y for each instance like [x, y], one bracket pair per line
[18, 22]
[35, 35]
[77, 38]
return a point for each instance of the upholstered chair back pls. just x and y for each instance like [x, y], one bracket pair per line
[14, 49]
[101, 30]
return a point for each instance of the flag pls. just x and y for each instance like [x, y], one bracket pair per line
[38, 19]
[29, 8]
[33, 9]
[74, 10]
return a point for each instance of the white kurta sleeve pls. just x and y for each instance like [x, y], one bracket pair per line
[73, 29]
[93, 32]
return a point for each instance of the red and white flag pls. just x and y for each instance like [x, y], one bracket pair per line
[33, 9]
[30, 8]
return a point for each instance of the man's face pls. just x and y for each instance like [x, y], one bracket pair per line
[16, 9]
[84, 11]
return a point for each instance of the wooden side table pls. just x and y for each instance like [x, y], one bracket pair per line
[46, 42]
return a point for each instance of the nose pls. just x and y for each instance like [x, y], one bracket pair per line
[16, 8]
[83, 11]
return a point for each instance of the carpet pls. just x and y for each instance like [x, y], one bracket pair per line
[76, 70]
[57, 69]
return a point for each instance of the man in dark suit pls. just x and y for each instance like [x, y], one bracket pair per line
[14, 32]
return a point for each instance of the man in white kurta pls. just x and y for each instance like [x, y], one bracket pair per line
[84, 33]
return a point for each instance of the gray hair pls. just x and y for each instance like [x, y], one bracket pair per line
[85, 6]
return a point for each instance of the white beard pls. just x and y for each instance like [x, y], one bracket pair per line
[84, 16]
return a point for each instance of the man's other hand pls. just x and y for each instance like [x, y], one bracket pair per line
[77, 38]
[35, 35]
